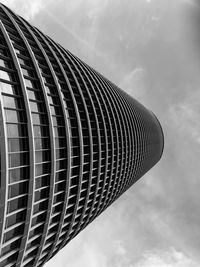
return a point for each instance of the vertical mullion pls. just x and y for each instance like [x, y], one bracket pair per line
[78, 66]
[20, 260]
[116, 119]
[89, 76]
[4, 164]
[30, 134]
[81, 145]
[46, 230]
[89, 128]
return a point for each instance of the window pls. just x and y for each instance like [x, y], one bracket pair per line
[15, 218]
[29, 83]
[61, 164]
[14, 116]
[13, 233]
[5, 75]
[41, 169]
[36, 231]
[41, 193]
[16, 130]
[41, 156]
[7, 88]
[35, 107]
[18, 174]
[10, 102]
[42, 143]
[18, 159]
[24, 62]
[59, 131]
[27, 72]
[15, 204]
[39, 118]
[40, 131]
[17, 189]
[60, 176]
[60, 142]
[42, 181]
[10, 260]
[33, 94]
[3, 52]
[60, 153]
[40, 206]
[10, 247]
[3, 63]
[17, 144]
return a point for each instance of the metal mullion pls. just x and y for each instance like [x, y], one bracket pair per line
[131, 166]
[4, 169]
[137, 135]
[121, 148]
[138, 122]
[99, 140]
[79, 134]
[127, 137]
[29, 120]
[65, 124]
[112, 142]
[20, 259]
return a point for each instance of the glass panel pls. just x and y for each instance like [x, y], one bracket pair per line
[41, 143]
[42, 181]
[29, 83]
[41, 193]
[15, 218]
[7, 88]
[10, 102]
[41, 156]
[14, 116]
[35, 107]
[18, 159]
[13, 233]
[27, 72]
[5, 75]
[15, 130]
[40, 131]
[17, 189]
[15, 204]
[17, 144]
[3, 63]
[18, 174]
[24, 62]
[42, 169]
[40, 206]
[3, 52]
[11, 247]
[32, 94]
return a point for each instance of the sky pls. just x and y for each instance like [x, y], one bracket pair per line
[150, 48]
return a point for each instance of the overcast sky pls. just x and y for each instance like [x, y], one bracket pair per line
[150, 48]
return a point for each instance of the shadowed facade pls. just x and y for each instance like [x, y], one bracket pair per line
[71, 142]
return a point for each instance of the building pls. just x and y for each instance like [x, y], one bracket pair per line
[71, 142]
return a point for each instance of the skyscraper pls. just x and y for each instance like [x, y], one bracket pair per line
[71, 142]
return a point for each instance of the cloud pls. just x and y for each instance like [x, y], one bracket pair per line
[171, 258]
[185, 116]
[29, 9]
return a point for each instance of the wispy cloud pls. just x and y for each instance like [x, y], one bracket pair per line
[170, 258]
[26, 8]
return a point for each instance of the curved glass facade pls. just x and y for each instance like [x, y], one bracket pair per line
[71, 142]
